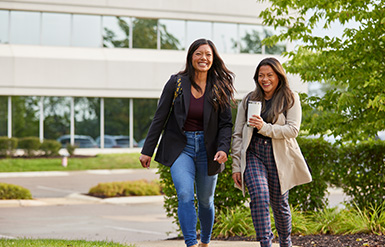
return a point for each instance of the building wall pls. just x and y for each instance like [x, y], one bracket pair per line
[119, 72]
[242, 11]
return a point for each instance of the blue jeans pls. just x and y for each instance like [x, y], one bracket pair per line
[191, 168]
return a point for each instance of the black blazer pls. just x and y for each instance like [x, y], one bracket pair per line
[217, 126]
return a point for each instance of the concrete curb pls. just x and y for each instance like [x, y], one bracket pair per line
[76, 198]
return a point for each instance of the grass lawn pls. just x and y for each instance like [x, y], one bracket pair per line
[57, 243]
[101, 161]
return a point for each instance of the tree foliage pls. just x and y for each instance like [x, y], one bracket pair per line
[354, 65]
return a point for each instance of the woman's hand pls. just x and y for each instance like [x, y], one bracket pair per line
[237, 179]
[256, 122]
[145, 160]
[220, 157]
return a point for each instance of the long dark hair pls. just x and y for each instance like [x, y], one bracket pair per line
[220, 78]
[283, 98]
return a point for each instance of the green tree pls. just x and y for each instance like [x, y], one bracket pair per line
[144, 110]
[145, 33]
[354, 65]
[25, 117]
[252, 43]
[110, 36]
[56, 117]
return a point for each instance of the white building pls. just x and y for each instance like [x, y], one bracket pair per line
[64, 48]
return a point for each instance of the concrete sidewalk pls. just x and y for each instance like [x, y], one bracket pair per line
[180, 243]
[60, 209]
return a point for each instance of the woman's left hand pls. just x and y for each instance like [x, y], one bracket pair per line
[220, 157]
[256, 122]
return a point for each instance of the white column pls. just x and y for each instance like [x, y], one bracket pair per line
[9, 116]
[101, 122]
[158, 37]
[41, 120]
[72, 122]
[131, 127]
[131, 33]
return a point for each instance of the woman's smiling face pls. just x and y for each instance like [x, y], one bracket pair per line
[202, 58]
[268, 80]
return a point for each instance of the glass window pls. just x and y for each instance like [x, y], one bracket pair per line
[172, 34]
[3, 115]
[250, 38]
[116, 116]
[116, 31]
[144, 111]
[277, 48]
[57, 113]
[86, 30]
[56, 29]
[87, 120]
[197, 30]
[25, 112]
[4, 26]
[225, 37]
[145, 33]
[25, 28]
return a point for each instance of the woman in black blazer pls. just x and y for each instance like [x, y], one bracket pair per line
[196, 137]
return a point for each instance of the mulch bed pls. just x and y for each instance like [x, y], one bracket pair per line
[351, 240]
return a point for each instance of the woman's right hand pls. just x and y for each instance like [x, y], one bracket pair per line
[237, 179]
[145, 160]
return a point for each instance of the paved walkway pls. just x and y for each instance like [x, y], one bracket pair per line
[60, 209]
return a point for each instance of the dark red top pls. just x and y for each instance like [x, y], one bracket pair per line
[194, 121]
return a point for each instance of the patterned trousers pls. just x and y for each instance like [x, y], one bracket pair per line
[261, 179]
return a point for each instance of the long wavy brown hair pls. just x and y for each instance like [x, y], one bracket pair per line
[221, 78]
[283, 98]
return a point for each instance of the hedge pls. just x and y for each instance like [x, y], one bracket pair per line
[31, 146]
[320, 156]
[50, 147]
[360, 172]
[7, 146]
[10, 191]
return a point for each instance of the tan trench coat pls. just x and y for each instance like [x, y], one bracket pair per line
[291, 165]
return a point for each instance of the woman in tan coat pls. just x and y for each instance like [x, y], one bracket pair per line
[266, 156]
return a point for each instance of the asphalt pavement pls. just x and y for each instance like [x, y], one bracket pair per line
[62, 210]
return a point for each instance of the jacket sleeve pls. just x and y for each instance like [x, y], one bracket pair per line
[288, 128]
[225, 126]
[236, 147]
[160, 117]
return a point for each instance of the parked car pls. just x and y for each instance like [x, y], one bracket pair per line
[81, 141]
[141, 142]
[116, 141]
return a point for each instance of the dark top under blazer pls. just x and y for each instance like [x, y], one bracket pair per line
[217, 126]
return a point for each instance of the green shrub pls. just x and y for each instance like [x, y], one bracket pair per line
[232, 222]
[126, 188]
[10, 191]
[50, 147]
[320, 155]
[226, 195]
[30, 145]
[7, 146]
[71, 149]
[361, 172]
